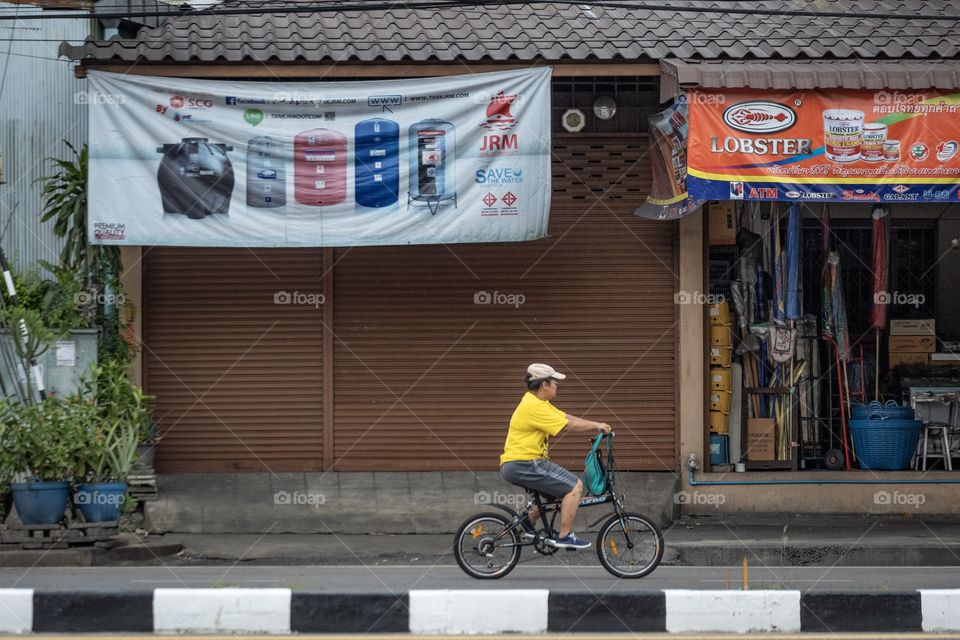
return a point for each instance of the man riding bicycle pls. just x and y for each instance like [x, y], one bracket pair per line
[525, 461]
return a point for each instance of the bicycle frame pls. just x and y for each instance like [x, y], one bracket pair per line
[545, 508]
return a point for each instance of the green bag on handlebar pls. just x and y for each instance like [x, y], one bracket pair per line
[594, 469]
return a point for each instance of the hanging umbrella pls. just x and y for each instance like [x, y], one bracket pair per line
[793, 260]
[778, 260]
[881, 276]
[835, 330]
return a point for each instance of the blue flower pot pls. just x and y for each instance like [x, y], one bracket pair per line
[40, 502]
[100, 501]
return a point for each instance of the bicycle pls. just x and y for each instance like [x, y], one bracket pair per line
[629, 545]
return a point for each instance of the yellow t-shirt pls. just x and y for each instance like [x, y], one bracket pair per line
[532, 424]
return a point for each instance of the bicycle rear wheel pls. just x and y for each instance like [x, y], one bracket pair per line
[640, 556]
[484, 548]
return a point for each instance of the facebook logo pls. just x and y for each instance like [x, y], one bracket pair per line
[231, 100]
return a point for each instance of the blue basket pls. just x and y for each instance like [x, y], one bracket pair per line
[889, 410]
[884, 444]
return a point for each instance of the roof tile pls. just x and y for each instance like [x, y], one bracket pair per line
[547, 31]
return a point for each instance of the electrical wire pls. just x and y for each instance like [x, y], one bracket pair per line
[378, 5]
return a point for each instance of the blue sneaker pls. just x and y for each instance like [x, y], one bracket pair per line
[569, 542]
[528, 531]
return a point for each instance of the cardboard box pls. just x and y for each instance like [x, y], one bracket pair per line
[940, 359]
[912, 344]
[897, 359]
[926, 327]
[723, 222]
[761, 439]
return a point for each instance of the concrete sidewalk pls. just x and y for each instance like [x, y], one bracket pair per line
[764, 539]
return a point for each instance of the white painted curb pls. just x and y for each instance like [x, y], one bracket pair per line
[940, 609]
[477, 611]
[221, 610]
[732, 611]
[16, 610]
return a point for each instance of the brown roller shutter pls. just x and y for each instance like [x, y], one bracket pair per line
[237, 377]
[425, 379]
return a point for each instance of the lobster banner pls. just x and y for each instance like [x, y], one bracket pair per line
[882, 146]
[265, 164]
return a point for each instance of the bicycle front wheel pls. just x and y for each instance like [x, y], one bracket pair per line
[630, 548]
[484, 548]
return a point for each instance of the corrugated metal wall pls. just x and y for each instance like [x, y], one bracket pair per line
[41, 105]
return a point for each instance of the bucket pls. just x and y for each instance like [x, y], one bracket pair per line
[885, 444]
[40, 502]
[889, 410]
[100, 501]
[842, 134]
[719, 447]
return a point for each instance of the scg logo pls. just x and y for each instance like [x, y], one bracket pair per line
[178, 102]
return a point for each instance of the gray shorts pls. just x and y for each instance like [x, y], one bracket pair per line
[549, 478]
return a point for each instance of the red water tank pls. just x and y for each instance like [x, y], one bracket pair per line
[320, 167]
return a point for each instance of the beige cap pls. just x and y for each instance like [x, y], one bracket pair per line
[540, 371]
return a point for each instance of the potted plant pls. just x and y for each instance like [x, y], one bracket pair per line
[115, 426]
[147, 449]
[45, 445]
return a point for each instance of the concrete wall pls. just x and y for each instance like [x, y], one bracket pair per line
[366, 502]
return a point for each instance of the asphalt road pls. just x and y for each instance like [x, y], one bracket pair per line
[526, 576]
[565, 636]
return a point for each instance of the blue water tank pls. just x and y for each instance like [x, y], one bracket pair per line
[377, 160]
[432, 177]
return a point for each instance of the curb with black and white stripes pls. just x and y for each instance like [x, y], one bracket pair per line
[282, 611]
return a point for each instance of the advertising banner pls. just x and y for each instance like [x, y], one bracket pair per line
[842, 146]
[668, 199]
[272, 164]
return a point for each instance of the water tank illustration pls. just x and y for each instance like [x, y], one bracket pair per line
[195, 177]
[320, 167]
[266, 173]
[432, 149]
[377, 161]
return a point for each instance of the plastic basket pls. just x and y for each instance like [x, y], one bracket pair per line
[884, 444]
[889, 410]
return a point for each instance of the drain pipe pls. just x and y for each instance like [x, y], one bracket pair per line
[692, 462]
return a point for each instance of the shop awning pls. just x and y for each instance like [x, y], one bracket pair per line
[808, 74]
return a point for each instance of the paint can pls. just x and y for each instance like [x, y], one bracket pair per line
[740, 467]
[874, 135]
[891, 150]
[842, 134]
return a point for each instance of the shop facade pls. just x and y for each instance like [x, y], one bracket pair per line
[404, 368]
[806, 476]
